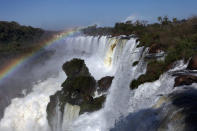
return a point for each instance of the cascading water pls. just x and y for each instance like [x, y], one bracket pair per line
[103, 56]
[92, 49]
[70, 114]
[123, 56]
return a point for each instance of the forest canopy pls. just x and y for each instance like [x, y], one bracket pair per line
[13, 33]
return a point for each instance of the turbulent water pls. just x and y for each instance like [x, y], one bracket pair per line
[103, 56]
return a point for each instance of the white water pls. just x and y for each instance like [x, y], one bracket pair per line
[30, 112]
[70, 114]
[117, 103]
[103, 56]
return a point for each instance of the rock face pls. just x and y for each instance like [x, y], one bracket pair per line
[185, 80]
[104, 83]
[75, 67]
[193, 63]
[78, 89]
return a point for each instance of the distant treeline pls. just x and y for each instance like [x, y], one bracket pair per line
[12, 32]
[17, 40]
[94, 31]
[15, 37]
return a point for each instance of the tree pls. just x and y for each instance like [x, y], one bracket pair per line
[128, 22]
[174, 20]
[165, 20]
[144, 22]
[160, 19]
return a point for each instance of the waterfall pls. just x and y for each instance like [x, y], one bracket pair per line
[117, 103]
[57, 119]
[29, 113]
[104, 56]
[116, 55]
[71, 112]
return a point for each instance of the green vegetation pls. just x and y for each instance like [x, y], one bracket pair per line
[94, 31]
[178, 38]
[17, 38]
[93, 105]
[14, 36]
[12, 32]
[154, 70]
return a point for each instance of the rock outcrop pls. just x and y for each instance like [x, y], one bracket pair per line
[104, 84]
[75, 67]
[78, 89]
[185, 80]
[193, 63]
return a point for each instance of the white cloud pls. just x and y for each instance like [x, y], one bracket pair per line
[135, 17]
[132, 17]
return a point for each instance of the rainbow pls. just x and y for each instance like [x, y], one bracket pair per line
[13, 65]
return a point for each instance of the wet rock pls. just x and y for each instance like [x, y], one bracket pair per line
[104, 83]
[78, 90]
[92, 105]
[137, 40]
[193, 63]
[185, 80]
[75, 67]
[135, 63]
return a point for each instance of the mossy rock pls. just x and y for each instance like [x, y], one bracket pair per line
[77, 90]
[154, 70]
[84, 84]
[75, 67]
[93, 105]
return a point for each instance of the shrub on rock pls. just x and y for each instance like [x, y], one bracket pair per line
[75, 67]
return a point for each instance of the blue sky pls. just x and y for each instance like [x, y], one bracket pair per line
[61, 14]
